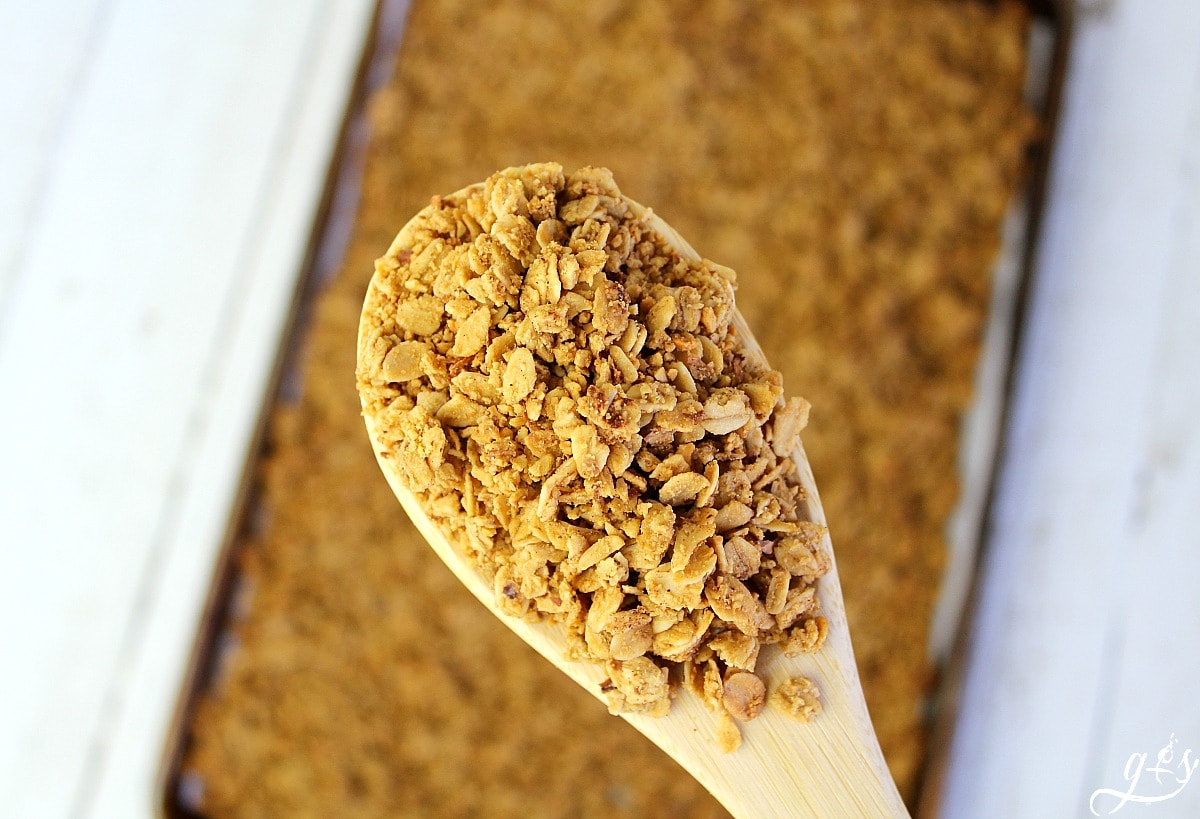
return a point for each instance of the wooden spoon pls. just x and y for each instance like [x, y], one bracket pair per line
[831, 767]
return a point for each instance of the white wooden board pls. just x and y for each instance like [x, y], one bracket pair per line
[1087, 645]
[37, 86]
[167, 193]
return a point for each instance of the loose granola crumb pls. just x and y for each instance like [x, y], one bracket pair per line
[797, 697]
[567, 397]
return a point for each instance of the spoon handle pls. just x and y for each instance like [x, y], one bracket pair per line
[830, 767]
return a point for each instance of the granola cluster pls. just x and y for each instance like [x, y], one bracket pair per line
[567, 397]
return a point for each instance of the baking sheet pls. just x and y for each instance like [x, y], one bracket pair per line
[228, 599]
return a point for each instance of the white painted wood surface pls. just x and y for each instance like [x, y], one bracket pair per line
[162, 164]
[159, 170]
[1087, 646]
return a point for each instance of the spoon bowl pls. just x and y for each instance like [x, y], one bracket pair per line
[830, 767]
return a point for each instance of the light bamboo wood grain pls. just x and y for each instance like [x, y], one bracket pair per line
[831, 767]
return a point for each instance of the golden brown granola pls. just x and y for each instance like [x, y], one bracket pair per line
[566, 396]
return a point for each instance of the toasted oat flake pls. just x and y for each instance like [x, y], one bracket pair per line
[744, 696]
[566, 396]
